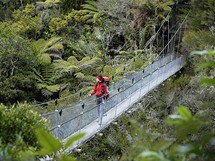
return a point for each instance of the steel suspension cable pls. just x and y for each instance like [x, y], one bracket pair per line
[173, 37]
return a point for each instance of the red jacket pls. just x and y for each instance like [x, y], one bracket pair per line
[100, 89]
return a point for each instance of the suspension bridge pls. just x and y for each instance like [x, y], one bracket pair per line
[82, 116]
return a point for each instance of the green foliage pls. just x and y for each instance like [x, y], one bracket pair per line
[49, 49]
[62, 66]
[79, 75]
[109, 70]
[72, 60]
[18, 59]
[90, 6]
[20, 121]
[8, 6]
[49, 3]
[46, 74]
[18, 88]
[191, 126]
[48, 143]
[201, 26]
[198, 40]
[25, 22]
[100, 27]
[75, 17]
[47, 81]
[202, 14]
[71, 140]
[105, 146]
[137, 63]
[67, 6]
[120, 70]
[179, 82]
[209, 64]
[49, 146]
[61, 25]
[16, 54]
[45, 59]
[141, 117]
[57, 25]
[186, 124]
[85, 65]
[208, 81]
[151, 155]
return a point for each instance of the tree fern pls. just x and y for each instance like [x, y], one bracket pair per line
[45, 59]
[47, 49]
[62, 66]
[79, 75]
[72, 60]
[46, 75]
[86, 63]
[49, 2]
[52, 1]
[90, 6]
[53, 41]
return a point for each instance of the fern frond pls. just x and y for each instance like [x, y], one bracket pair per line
[79, 75]
[93, 3]
[45, 59]
[41, 85]
[85, 59]
[72, 60]
[56, 56]
[53, 88]
[119, 70]
[47, 72]
[39, 45]
[39, 78]
[56, 48]
[46, 92]
[52, 1]
[61, 67]
[166, 5]
[85, 63]
[89, 8]
[53, 41]
[60, 64]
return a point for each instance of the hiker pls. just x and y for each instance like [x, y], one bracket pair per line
[100, 90]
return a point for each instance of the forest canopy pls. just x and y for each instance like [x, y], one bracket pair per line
[56, 40]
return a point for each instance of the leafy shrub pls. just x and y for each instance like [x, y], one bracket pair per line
[20, 121]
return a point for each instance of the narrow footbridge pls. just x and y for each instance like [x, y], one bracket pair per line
[82, 117]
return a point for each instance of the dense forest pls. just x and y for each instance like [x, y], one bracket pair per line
[53, 49]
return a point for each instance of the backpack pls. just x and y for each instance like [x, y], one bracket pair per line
[106, 81]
